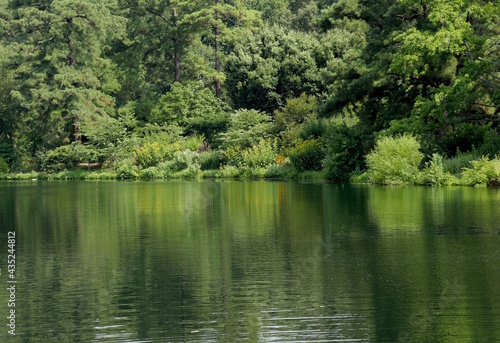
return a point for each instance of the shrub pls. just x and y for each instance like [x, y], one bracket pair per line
[210, 160]
[8, 153]
[296, 111]
[395, 160]
[234, 156]
[229, 172]
[61, 158]
[483, 171]
[434, 173]
[151, 173]
[307, 155]
[278, 171]
[345, 145]
[193, 107]
[186, 160]
[126, 170]
[457, 163]
[491, 145]
[193, 143]
[313, 129]
[246, 128]
[260, 155]
[150, 154]
[4, 166]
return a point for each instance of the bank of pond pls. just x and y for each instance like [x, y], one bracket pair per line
[393, 161]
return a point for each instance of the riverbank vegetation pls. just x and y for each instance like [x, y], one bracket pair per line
[398, 92]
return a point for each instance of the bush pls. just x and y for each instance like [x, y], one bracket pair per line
[151, 173]
[150, 154]
[8, 153]
[4, 166]
[395, 160]
[193, 143]
[192, 106]
[313, 129]
[434, 173]
[296, 111]
[234, 156]
[307, 155]
[491, 145]
[345, 145]
[126, 170]
[61, 158]
[246, 129]
[186, 160]
[483, 171]
[278, 171]
[229, 172]
[210, 160]
[457, 163]
[261, 155]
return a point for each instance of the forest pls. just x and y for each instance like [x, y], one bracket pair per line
[388, 92]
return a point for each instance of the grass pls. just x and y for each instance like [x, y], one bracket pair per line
[483, 171]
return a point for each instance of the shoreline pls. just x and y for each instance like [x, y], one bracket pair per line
[287, 174]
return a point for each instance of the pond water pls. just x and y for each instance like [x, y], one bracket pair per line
[259, 261]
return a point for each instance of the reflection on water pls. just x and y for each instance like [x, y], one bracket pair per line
[251, 261]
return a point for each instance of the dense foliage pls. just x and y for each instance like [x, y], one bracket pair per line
[250, 87]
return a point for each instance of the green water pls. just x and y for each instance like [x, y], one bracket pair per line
[250, 261]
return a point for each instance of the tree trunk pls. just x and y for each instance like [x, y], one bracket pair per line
[177, 55]
[217, 55]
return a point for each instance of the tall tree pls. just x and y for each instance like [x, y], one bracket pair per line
[62, 74]
[271, 66]
[226, 20]
[157, 35]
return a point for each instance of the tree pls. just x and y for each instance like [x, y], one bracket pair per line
[271, 66]
[271, 10]
[61, 72]
[157, 35]
[194, 108]
[227, 20]
[451, 58]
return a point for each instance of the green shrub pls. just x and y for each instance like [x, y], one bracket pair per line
[8, 153]
[346, 144]
[307, 155]
[359, 177]
[210, 160]
[278, 171]
[150, 154]
[61, 158]
[483, 171]
[234, 156]
[434, 173]
[4, 166]
[395, 160]
[193, 143]
[260, 155]
[295, 112]
[126, 170]
[229, 172]
[101, 175]
[210, 174]
[193, 107]
[151, 173]
[455, 165]
[186, 160]
[491, 144]
[313, 129]
[246, 128]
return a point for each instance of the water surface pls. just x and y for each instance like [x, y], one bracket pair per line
[250, 261]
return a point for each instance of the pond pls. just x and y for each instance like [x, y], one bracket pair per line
[231, 261]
